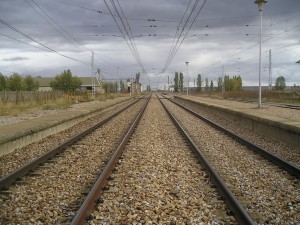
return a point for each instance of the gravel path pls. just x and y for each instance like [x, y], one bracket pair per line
[50, 196]
[276, 147]
[17, 158]
[269, 194]
[159, 180]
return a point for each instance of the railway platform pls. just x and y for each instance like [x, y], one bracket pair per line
[277, 123]
[19, 134]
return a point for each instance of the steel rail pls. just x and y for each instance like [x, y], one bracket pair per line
[289, 167]
[239, 211]
[9, 179]
[90, 201]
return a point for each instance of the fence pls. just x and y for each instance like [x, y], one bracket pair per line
[24, 96]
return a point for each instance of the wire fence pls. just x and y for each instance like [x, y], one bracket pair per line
[27, 96]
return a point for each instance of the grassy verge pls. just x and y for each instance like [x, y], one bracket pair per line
[13, 109]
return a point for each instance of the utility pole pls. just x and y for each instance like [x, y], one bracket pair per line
[168, 84]
[270, 70]
[93, 76]
[118, 88]
[223, 83]
[187, 74]
[260, 4]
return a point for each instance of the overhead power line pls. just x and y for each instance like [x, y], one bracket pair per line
[55, 25]
[82, 7]
[122, 23]
[183, 28]
[41, 44]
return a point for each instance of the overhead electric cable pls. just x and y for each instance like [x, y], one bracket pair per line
[46, 47]
[82, 7]
[56, 26]
[182, 33]
[124, 28]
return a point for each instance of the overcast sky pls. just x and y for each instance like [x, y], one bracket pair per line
[45, 37]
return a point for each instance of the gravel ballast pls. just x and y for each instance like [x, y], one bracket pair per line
[49, 194]
[269, 193]
[159, 180]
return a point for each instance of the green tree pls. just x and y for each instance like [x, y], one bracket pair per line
[220, 83]
[206, 84]
[232, 84]
[181, 81]
[15, 82]
[298, 62]
[239, 83]
[199, 83]
[122, 85]
[31, 84]
[116, 86]
[211, 86]
[137, 78]
[176, 82]
[66, 82]
[2, 82]
[148, 88]
[226, 82]
[280, 83]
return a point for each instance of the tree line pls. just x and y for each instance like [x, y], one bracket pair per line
[16, 82]
[64, 81]
[229, 83]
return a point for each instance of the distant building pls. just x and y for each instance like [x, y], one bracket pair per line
[44, 83]
[135, 88]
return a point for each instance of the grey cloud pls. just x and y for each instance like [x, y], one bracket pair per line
[16, 59]
[220, 29]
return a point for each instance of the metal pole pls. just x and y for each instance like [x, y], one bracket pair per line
[259, 72]
[93, 76]
[270, 70]
[168, 84]
[187, 74]
[223, 83]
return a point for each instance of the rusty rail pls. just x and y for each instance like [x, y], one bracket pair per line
[239, 211]
[285, 165]
[9, 179]
[90, 201]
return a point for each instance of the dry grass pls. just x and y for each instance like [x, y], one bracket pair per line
[13, 109]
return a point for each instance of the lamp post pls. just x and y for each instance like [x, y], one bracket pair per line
[261, 4]
[187, 74]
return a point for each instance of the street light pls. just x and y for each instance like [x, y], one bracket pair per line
[260, 4]
[187, 75]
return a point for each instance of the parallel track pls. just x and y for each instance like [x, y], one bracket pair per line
[91, 200]
[238, 210]
[285, 165]
[9, 179]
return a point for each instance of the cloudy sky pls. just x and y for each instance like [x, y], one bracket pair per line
[45, 37]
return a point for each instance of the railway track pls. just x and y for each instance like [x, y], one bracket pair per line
[269, 194]
[289, 167]
[155, 178]
[62, 180]
[276, 147]
[21, 156]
